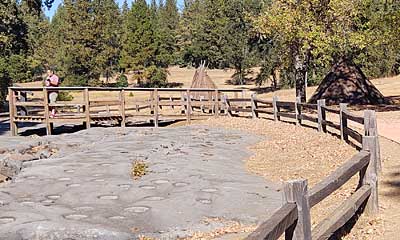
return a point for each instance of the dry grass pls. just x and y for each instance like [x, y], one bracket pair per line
[230, 227]
[139, 169]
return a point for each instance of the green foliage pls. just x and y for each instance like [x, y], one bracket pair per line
[148, 44]
[138, 44]
[65, 96]
[220, 33]
[90, 39]
[155, 77]
[122, 81]
[19, 69]
[83, 41]
[74, 80]
[167, 20]
[203, 33]
[5, 80]
[312, 35]
[13, 46]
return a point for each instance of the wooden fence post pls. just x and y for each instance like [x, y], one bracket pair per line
[188, 107]
[87, 107]
[242, 95]
[371, 129]
[216, 104]
[254, 113]
[296, 191]
[227, 108]
[171, 100]
[122, 106]
[321, 115]
[157, 100]
[276, 110]
[152, 102]
[12, 111]
[297, 106]
[343, 122]
[371, 175]
[183, 110]
[201, 99]
[46, 111]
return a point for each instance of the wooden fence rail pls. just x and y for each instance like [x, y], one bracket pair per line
[366, 163]
[282, 221]
[128, 104]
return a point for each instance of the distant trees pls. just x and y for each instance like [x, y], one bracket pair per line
[220, 33]
[14, 45]
[83, 42]
[148, 44]
[314, 34]
[89, 39]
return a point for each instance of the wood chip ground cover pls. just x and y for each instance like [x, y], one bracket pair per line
[294, 152]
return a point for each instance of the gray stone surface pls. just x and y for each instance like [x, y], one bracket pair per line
[86, 192]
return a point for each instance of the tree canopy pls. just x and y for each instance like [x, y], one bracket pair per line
[87, 40]
[311, 33]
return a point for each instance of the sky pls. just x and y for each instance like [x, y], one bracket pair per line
[51, 12]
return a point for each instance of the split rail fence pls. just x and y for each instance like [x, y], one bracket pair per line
[94, 105]
[293, 219]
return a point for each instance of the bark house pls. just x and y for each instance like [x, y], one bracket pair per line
[346, 83]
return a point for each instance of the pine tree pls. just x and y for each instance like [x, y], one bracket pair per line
[240, 51]
[83, 41]
[141, 45]
[138, 47]
[219, 32]
[107, 20]
[13, 46]
[37, 26]
[167, 24]
[125, 8]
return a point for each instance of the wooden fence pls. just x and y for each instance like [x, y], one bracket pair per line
[138, 105]
[294, 219]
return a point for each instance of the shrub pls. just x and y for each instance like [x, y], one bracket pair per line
[122, 81]
[155, 77]
[74, 80]
[65, 96]
[139, 169]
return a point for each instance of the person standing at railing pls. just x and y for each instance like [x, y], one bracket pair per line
[52, 80]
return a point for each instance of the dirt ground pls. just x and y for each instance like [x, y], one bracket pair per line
[296, 152]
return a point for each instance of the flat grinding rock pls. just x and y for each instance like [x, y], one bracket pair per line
[86, 191]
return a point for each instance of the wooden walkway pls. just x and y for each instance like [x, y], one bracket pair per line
[94, 105]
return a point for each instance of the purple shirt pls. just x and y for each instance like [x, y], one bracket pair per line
[52, 81]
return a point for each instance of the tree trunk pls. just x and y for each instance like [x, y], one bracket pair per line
[274, 80]
[300, 77]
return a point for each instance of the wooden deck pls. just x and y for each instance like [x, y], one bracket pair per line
[120, 105]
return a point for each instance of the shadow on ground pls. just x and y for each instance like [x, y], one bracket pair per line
[29, 129]
[394, 183]
[4, 127]
[381, 107]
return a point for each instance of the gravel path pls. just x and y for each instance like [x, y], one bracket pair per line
[197, 183]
